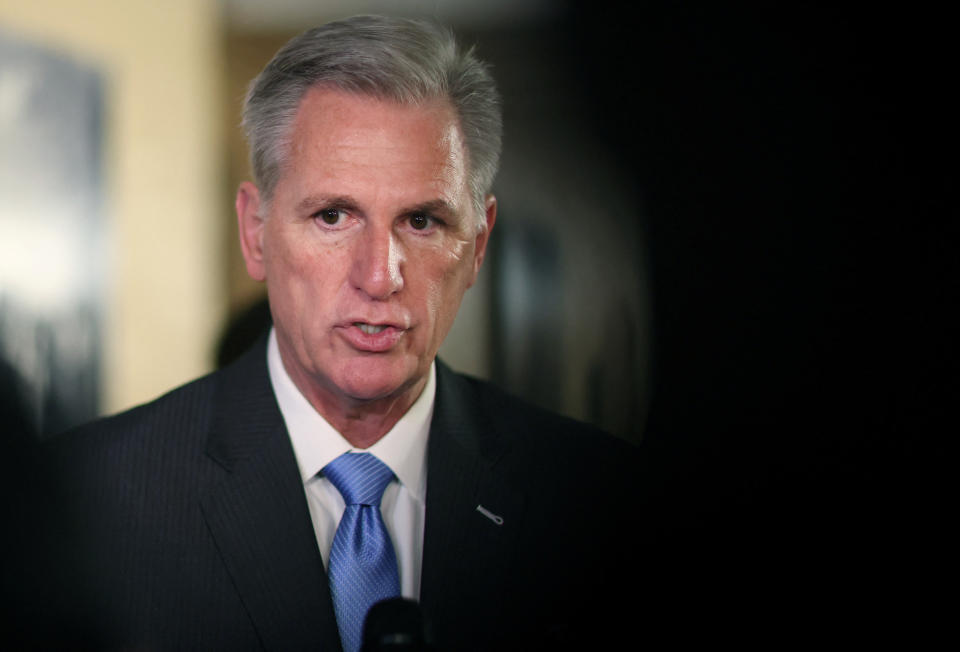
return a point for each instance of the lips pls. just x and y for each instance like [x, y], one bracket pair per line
[372, 338]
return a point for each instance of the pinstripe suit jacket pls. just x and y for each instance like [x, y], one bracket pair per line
[194, 531]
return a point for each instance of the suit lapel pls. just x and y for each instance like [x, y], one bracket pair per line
[258, 515]
[259, 518]
[472, 515]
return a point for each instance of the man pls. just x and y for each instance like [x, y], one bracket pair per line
[219, 516]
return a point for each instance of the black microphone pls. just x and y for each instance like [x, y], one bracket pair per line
[395, 625]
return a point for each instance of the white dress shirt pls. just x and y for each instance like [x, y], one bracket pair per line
[403, 449]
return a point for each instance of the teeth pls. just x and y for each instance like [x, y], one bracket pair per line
[370, 329]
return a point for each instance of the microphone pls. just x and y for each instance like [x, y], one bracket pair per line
[395, 625]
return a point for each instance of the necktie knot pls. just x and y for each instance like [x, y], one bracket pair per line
[359, 477]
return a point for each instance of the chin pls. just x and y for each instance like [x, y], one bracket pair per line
[369, 380]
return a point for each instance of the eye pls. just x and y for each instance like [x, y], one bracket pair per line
[330, 216]
[419, 221]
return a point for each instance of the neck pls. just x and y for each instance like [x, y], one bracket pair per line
[362, 422]
[365, 423]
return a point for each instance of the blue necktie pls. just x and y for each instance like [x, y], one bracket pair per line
[363, 565]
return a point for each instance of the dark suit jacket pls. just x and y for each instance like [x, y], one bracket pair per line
[194, 531]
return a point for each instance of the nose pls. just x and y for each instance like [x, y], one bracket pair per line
[376, 263]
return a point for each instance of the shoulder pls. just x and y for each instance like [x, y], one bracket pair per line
[179, 414]
[529, 430]
[176, 414]
[486, 401]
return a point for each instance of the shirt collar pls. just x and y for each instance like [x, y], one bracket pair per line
[316, 443]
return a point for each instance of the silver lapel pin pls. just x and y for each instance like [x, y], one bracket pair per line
[493, 517]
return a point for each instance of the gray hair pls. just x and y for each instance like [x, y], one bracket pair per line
[404, 60]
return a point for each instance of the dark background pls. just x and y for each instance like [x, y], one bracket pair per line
[792, 160]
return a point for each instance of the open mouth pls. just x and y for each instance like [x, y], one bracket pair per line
[369, 329]
[373, 338]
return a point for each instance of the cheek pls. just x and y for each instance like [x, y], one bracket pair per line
[449, 269]
[297, 276]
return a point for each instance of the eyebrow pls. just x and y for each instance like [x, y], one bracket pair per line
[312, 203]
[315, 202]
[434, 207]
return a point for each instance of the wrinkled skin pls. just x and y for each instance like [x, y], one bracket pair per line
[367, 247]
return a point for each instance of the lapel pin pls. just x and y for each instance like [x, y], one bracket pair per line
[493, 517]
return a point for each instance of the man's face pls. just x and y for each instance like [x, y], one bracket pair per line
[370, 243]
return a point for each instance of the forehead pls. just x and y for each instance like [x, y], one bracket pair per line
[337, 132]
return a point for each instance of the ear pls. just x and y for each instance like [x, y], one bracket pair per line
[483, 237]
[251, 223]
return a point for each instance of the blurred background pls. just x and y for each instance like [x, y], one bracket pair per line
[122, 276]
[722, 232]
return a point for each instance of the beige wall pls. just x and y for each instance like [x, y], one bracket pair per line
[164, 189]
